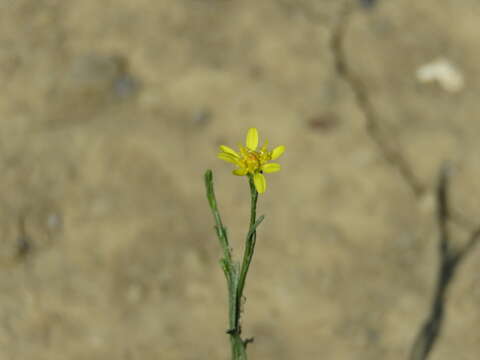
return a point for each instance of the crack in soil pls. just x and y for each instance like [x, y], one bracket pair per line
[380, 136]
[375, 131]
[449, 259]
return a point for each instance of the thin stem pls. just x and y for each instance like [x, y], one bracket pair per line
[221, 230]
[254, 198]
[226, 262]
[239, 351]
[249, 246]
[235, 280]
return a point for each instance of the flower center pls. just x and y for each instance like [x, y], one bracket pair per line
[252, 161]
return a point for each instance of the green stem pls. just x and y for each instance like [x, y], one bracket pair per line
[239, 350]
[249, 245]
[235, 281]
[226, 262]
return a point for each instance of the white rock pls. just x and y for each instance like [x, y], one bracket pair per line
[443, 72]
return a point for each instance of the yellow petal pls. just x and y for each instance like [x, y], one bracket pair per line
[260, 183]
[277, 152]
[265, 145]
[228, 150]
[227, 157]
[252, 139]
[271, 167]
[240, 172]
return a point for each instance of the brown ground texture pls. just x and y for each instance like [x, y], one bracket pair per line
[110, 113]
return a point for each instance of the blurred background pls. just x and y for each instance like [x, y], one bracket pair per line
[110, 113]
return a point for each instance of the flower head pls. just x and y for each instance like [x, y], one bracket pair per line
[251, 161]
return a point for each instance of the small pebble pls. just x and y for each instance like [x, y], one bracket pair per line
[125, 86]
[54, 221]
[442, 72]
[202, 118]
[324, 122]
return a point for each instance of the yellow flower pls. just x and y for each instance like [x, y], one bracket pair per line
[253, 162]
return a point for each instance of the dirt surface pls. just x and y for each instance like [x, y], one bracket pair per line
[110, 113]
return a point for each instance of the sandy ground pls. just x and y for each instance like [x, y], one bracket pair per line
[110, 113]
